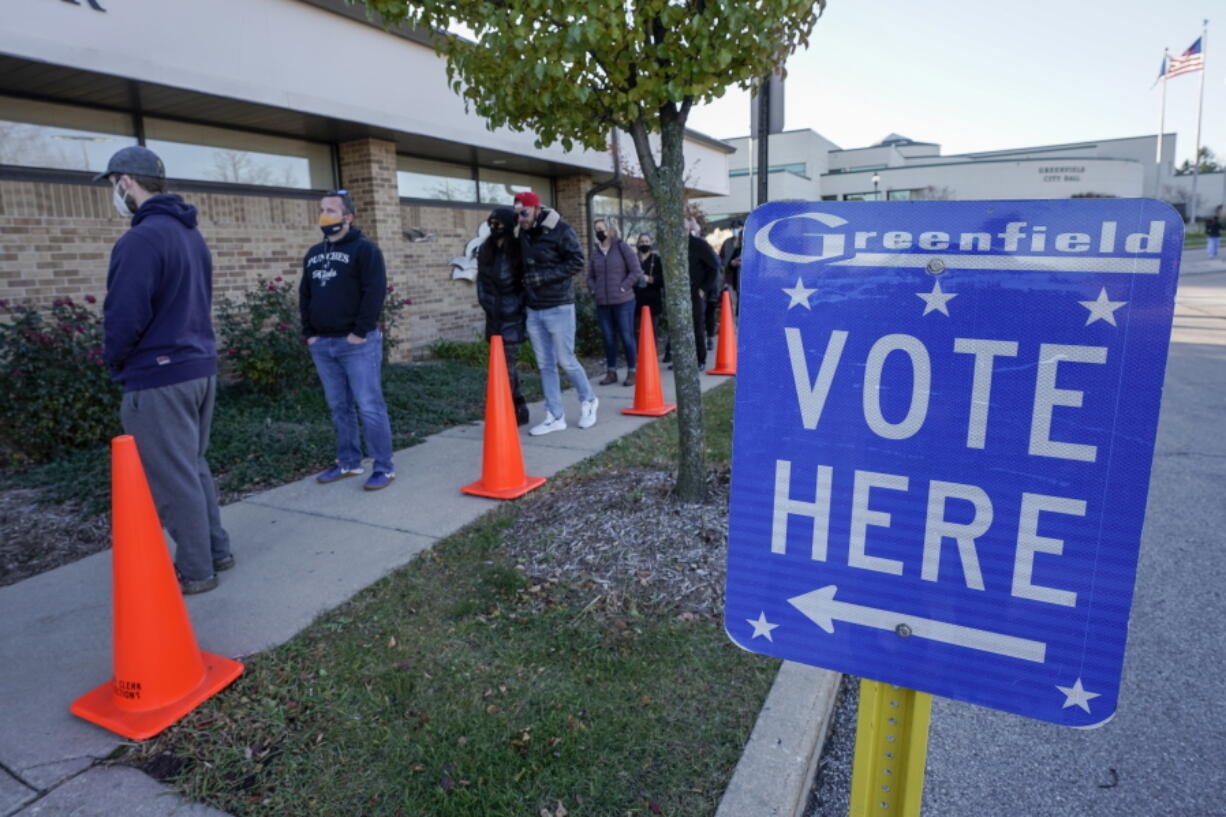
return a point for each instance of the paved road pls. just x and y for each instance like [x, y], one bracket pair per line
[1163, 753]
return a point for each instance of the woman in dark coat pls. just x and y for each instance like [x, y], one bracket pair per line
[500, 291]
[650, 293]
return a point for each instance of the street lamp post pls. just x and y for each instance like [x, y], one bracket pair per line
[876, 182]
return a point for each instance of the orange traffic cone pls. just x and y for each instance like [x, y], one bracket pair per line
[725, 350]
[160, 673]
[502, 466]
[648, 396]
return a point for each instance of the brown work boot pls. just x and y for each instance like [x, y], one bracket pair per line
[610, 377]
[629, 381]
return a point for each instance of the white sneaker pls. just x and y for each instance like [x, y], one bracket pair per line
[551, 424]
[587, 413]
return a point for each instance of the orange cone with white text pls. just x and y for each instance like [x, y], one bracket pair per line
[725, 348]
[502, 462]
[160, 674]
[648, 394]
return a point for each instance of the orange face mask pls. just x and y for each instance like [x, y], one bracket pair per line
[331, 225]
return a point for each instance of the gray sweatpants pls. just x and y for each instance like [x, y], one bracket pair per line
[171, 426]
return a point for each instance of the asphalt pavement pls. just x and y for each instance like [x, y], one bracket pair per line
[1162, 753]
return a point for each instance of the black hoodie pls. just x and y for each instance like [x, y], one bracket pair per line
[342, 288]
[157, 322]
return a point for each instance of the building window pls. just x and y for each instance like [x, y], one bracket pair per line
[606, 206]
[60, 137]
[427, 179]
[869, 196]
[500, 186]
[205, 153]
[899, 195]
[796, 169]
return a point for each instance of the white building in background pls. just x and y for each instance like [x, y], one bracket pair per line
[805, 166]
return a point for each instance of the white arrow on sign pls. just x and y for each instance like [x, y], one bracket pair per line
[820, 606]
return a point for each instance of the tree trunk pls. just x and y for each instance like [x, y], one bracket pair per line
[667, 183]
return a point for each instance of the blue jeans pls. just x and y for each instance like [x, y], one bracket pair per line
[351, 374]
[618, 319]
[552, 332]
[1211, 245]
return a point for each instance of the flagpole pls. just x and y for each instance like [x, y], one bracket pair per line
[1204, 41]
[1161, 124]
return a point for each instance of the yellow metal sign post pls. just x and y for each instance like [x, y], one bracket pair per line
[891, 750]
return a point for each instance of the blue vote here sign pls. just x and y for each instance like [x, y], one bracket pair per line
[945, 421]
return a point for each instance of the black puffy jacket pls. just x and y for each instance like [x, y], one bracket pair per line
[551, 257]
[500, 291]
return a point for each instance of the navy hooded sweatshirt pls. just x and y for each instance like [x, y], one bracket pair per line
[157, 321]
[342, 288]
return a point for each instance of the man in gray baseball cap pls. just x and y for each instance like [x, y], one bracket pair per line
[135, 161]
[159, 343]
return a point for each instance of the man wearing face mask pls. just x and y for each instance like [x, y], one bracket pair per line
[551, 256]
[159, 343]
[340, 298]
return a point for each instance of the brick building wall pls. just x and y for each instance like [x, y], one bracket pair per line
[443, 307]
[56, 239]
[570, 192]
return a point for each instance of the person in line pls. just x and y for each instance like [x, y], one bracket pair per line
[613, 272]
[730, 262]
[704, 279]
[500, 291]
[340, 298]
[159, 343]
[1213, 235]
[650, 292]
[552, 258]
[711, 307]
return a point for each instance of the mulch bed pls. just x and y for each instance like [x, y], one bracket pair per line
[37, 536]
[623, 538]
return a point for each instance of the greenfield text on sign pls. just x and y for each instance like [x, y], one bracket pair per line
[945, 418]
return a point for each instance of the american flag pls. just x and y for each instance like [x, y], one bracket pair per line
[1191, 60]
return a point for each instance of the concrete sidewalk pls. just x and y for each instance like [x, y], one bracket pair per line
[302, 549]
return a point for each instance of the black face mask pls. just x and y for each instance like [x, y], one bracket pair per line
[601, 235]
[644, 248]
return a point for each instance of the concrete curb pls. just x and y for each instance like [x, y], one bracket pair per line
[775, 772]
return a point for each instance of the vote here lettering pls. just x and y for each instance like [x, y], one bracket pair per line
[937, 528]
[812, 393]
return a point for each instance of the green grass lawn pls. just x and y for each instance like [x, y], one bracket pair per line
[457, 686]
[261, 441]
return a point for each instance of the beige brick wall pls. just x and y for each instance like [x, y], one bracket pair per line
[442, 307]
[56, 239]
[570, 193]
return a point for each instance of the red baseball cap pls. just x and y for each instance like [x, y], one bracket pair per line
[528, 199]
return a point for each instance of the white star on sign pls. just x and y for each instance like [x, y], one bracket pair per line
[1102, 309]
[1076, 695]
[799, 295]
[761, 626]
[936, 300]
